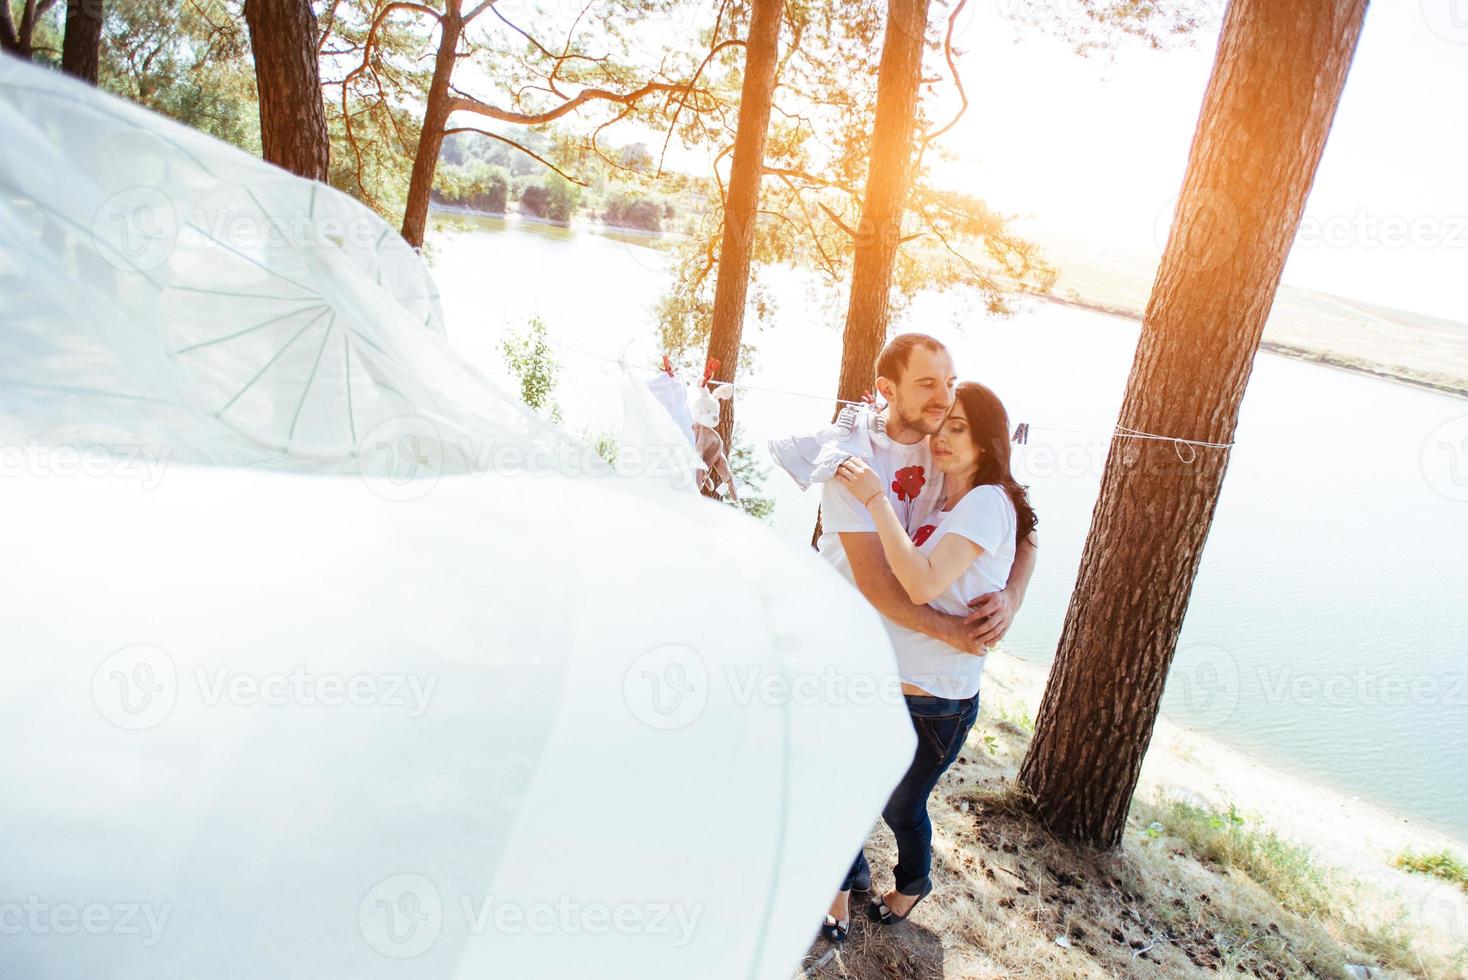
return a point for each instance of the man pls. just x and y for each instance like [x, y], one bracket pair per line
[916, 378]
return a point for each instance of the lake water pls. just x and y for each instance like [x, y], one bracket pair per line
[1328, 629]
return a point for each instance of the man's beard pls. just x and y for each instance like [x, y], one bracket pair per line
[920, 422]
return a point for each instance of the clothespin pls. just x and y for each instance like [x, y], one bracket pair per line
[710, 368]
[668, 366]
[869, 397]
[1021, 434]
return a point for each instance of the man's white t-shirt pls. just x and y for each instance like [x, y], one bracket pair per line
[913, 485]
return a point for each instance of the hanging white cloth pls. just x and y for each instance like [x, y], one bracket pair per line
[369, 672]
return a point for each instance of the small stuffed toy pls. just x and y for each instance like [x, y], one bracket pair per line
[706, 440]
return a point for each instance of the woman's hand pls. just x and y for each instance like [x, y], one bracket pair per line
[859, 478]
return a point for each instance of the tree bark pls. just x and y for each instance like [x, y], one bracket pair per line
[435, 120]
[731, 292]
[889, 178]
[82, 41]
[1276, 81]
[287, 74]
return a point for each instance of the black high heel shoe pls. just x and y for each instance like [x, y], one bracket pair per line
[878, 911]
[835, 929]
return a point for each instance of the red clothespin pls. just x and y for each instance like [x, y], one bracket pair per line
[869, 397]
[668, 366]
[1021, 434]
[710, 368]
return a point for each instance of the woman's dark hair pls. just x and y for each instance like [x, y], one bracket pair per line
[989, 425]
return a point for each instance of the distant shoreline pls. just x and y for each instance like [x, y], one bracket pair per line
[530, 219]
[1325, 358]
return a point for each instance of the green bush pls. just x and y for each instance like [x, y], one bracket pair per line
[1444, 864]
[629, 211]
[553, 199]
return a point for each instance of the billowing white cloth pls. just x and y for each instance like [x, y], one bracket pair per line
[478, 708]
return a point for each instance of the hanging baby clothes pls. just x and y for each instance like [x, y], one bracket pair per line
[813, 458]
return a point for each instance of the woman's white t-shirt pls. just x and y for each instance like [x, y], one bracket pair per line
[985, 515]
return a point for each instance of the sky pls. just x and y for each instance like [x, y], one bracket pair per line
[1095, 147]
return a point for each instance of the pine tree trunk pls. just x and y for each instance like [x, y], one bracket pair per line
[1276, 81]
[889, 178]
[292, 116]
[435, 120]
[761, 56]
[83, 39]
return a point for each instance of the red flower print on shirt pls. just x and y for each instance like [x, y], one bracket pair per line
[909, 482]
[924, 533]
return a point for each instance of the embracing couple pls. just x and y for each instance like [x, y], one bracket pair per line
[919, 510]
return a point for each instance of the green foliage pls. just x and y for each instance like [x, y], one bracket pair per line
[604, 442]
[530, 360]
[478, 185]
[1444, 864]
[187, 61]
[749, 477]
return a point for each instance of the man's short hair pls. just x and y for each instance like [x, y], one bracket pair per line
[892, 362]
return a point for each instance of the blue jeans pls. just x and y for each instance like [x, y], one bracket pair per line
[941, 724]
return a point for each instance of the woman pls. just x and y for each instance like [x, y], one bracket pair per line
[960, 551]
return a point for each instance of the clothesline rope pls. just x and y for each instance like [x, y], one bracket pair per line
[1120, 432]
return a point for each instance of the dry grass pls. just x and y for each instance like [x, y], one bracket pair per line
[1192, 892]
